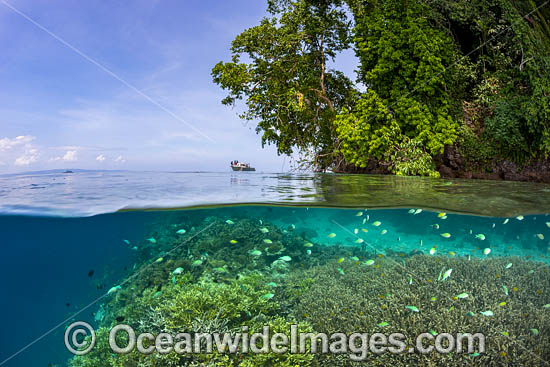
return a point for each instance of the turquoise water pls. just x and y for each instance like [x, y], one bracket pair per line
[339, 268]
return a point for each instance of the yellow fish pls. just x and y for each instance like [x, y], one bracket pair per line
[364, 230]
[384, 231]
[308, 244]
[233, 241]
[441, 215]
[452, 253]
[359, 240]
[540, 236]
[340, 260]
[446, 235]
[377, 223]
[359, 214]
[331, 235]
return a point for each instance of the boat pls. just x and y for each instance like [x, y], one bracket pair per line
[240, 166]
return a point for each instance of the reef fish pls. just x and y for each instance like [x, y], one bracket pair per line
[508, 266]
[412, 308]
[546, 305]
[417, 211]
[432, 251]
[377, 223]
[114, 289]
[181, 231]
[384, 231]
[197, 263]
[548, 224]
[441, 215]
[359, 240]
[354, 258]
[359, 214]
[411, 211]
[268, 296]
[268, 241]
[534, 331]
[382, 324]
[285, 258]
[487, 313]
[308, 244]
[264, 230]
[255, 253]
[126, 242]
[233, 241]
[229, 221]
[356, 230]
[505, 289]
[340, 260]
[446, 235]
[462, 295]
[486, 251]
[519, 217]
[480, 236]
[341, 271]
[446, 274]
[435, 226]
[369, 262]
[331, 235]
[152, 240]
[506, 221]
[159, 260]
[540, 236]
[177, 271]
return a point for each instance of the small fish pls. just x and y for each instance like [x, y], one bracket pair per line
[356, 230]
[505, 333]
[364, 230]
[502, 304]
[417, 211]
[369, 262]
[411, 211]
[462, 295]
[359, 214]
[476, 354]
[384, 231]
[308, 244]
[340, 260]
[177, 271]
[114, 289]
[519, 217]
[412, 308]
[354, 258]
[152, 240]
[268, 296]
[134, 248]
[159, 260]
[444, 217]
[505, 289]
[435, 226]
[440, 273]
[446, 274]
[433, 299]
[377, 223]
[181, 231]
[126, 242]
[470, 314]
[359, 240]
[268, 241]
[382, 324]
[486, 251]
[420, 243]
[432, 251]
[433, 332]
[548, 224]
[410, 280]
[440, 215]
[197, 263]
[264, 230]
[229, 221]
[534, 331]
[285, 258]
[508, 266]
[446, 235]
[530, 271]
[341, 271]
[255, 253]
[480, 236]
[365, 220]
[272, 284]
[540, 236]
[331, 235]
[487, 313]
[308, 252]
[546, 305]
[452, 253]
[233, 241]
[506, 221]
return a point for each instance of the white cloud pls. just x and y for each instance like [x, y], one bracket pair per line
[70, 156]
[120, 159]
[7, 143]
[30, 156]
[100, 158]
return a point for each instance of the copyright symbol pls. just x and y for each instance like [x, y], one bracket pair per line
[74, 331]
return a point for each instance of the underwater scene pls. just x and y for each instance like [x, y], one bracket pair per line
[344, 271]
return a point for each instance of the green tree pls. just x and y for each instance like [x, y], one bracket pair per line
[280, 68]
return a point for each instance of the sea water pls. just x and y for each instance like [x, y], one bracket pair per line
[317, 250]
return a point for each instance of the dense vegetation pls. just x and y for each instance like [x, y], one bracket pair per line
[466, 76]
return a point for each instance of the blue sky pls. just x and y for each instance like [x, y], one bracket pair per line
[60, 110]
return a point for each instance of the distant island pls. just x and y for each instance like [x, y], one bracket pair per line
[444, 88]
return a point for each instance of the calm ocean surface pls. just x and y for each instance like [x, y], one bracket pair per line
[68, 238]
